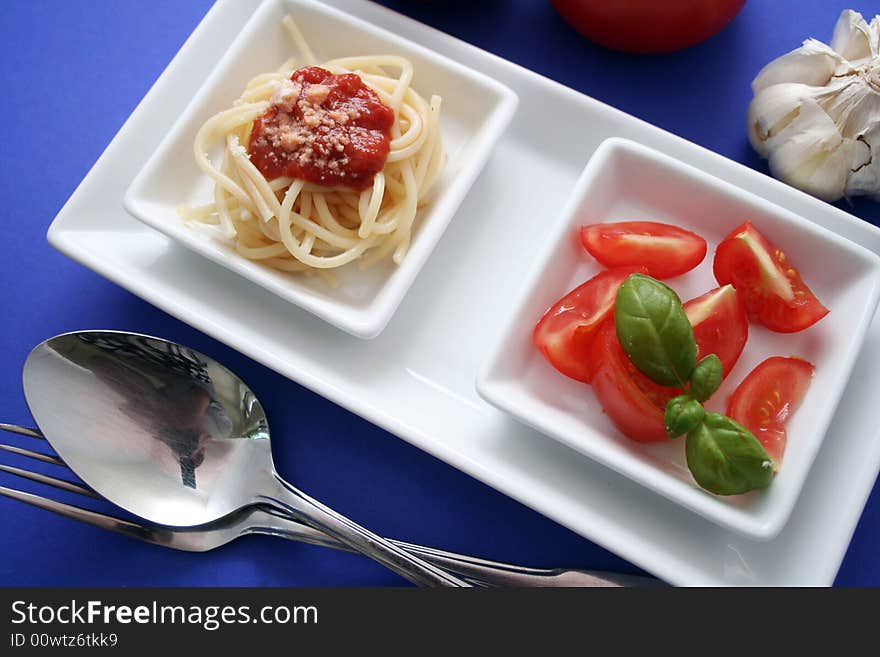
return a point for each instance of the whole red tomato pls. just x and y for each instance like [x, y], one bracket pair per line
[645, 26]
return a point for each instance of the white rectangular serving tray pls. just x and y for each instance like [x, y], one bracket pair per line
[417, 379]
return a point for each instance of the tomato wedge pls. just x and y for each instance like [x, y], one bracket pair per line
[565, 333]
[665, 251]
[773, 291]
[720, 325]
[767, 397]
[633, 402]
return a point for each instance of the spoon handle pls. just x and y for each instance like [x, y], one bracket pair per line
[292, 500]
[484, 572]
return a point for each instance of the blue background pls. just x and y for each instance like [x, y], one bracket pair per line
[72, 72]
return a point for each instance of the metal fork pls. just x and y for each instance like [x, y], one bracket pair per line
[264, 520]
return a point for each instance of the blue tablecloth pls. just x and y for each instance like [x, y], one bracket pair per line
[72, 72]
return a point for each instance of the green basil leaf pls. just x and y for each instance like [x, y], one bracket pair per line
[725, 458]
[706, 377]
[654, 330]
[683, 415]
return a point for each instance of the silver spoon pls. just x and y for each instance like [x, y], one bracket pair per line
[176, 438]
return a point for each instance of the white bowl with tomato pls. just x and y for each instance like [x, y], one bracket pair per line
[688, 334]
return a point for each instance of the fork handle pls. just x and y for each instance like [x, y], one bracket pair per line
[289, 499]
[271, 521]
[495, 573]
[480, 571]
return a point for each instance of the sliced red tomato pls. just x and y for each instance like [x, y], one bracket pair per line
[565, 333]
[665, 251]
[633, 402]
[772, 289]
[720, 325]
[767, 397]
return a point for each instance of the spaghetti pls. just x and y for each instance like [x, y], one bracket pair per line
[321, 165]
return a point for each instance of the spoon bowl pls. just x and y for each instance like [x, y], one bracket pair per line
[158, 444]
[175, 437]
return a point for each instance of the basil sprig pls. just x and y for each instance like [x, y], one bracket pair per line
[654, 330]
[725, 458]
[683, 415]
[706, 377]
[722, 455]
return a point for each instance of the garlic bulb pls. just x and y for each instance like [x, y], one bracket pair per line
[816, 112]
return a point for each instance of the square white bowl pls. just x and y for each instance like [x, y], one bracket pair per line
[476, 109]
[625, 181]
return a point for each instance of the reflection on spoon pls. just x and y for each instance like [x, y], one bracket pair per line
[138, 417]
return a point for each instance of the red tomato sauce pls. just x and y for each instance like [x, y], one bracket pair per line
[326, 129]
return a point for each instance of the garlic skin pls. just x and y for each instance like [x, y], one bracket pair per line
[815, 114]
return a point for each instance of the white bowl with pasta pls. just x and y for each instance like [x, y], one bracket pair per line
[288, 219]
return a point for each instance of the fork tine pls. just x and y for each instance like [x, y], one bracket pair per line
[94, 518]
[69, 486]
[21, 430]
[34, 455]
